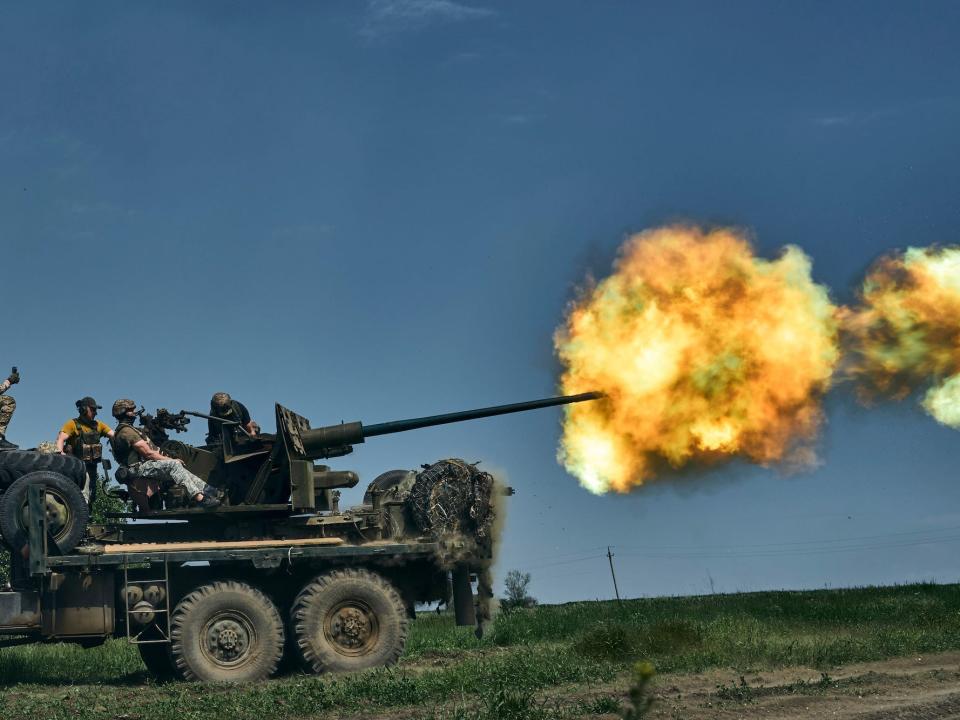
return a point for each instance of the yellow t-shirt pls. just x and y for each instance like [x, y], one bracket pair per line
[70, 428]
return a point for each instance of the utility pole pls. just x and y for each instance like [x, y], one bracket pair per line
[613, 575]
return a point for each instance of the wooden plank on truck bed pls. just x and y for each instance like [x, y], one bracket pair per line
[217, 545]
[93, 556]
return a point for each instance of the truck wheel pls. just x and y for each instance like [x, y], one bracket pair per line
[349, 620]
[20, 462]
[226, 632]
[67, 511]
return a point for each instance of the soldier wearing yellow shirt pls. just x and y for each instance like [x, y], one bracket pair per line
[80, 437]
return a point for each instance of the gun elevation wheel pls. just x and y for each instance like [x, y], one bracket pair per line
[67, 511]
[226, 632]
[349, 620]
[384, 482]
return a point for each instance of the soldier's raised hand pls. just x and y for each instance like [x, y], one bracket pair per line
[14, 377]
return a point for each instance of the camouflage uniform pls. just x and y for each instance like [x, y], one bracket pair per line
[7, 406]
[124, 439]
[163, 469]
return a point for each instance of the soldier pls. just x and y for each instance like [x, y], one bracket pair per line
[7, 406]
[136, 452]
[223, 406]
[81, 438]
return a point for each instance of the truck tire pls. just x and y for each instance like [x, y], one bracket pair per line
[67, 511]
[348, 620]
[226, 631]
[20, 462]
[6, 478]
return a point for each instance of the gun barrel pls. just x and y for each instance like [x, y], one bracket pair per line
[210, 417]
[336, 440]
[432, 420]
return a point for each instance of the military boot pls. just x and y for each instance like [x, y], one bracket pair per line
[207, 502]
[7, 445]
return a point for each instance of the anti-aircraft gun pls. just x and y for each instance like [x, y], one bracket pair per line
[279, 568]
[266, 478]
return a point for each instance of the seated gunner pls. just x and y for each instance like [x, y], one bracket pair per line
[134, 450]
[225, 407]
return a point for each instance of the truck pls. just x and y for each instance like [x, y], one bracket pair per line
[277, 576]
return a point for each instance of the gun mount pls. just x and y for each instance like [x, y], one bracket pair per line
[156, 426]
[271, 486]
[278, 469]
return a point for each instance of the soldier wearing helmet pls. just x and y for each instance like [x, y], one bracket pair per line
[80, 437]
[224, 406]
[134, 450]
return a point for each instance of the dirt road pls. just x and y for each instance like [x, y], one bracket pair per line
[912, 688]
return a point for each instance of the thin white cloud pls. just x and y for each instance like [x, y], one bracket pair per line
[385, 17]
[861, 117]
[516, 119]
[833, 120]
[465, 57]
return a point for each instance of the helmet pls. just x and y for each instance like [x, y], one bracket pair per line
[122, 406]
[220, 401]
[86, 402]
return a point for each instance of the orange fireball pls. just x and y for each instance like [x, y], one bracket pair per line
[906, 333]
[703, 350]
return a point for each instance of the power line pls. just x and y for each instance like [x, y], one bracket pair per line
[794, 542]
[568, 554]
[776, 549]
[570, 562]
[785, 552]
[557, 573]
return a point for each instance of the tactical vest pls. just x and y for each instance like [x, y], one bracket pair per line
[86, 445]
[123, 452]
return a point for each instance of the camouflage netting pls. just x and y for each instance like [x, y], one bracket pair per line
[451, 501]
[47, 448]
[452, 498]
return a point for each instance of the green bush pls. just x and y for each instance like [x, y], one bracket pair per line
[604, 705]
[671, 636]
[608, 640]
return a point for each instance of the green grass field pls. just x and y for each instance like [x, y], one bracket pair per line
[525, 657]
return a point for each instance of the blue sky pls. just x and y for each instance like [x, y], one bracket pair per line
[376, 210]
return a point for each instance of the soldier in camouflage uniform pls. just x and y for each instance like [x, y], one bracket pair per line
[136, 452]
[7, 406]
